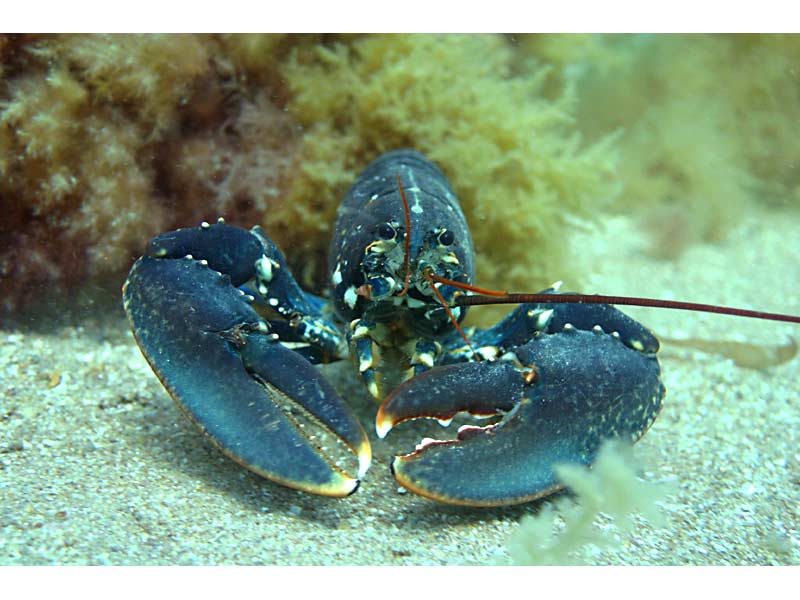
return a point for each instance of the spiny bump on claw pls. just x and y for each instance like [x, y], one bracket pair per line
[264, 270]
[543, 319]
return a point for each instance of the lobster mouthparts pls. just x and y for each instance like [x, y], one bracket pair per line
[574, 391]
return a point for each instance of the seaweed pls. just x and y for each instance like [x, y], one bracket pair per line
[564, 530]
[106, 140]
[92, 131]
[708, 124]
[513, 155]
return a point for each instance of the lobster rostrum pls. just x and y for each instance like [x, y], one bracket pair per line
[234, 339]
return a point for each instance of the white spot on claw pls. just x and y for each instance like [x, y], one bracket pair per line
[350, 297]
[264, 269]
[425, 442]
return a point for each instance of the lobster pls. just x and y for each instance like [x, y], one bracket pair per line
[234, 339]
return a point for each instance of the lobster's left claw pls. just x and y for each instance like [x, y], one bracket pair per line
[212, 352]
[573, 391]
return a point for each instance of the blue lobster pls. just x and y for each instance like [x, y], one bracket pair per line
[233, 338]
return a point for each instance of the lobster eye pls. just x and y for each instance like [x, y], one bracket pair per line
[446, 237]
[386, 231]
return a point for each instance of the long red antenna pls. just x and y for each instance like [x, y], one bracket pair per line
[468, 287]
[476, 300]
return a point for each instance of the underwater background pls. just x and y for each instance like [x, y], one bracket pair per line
[652, 165]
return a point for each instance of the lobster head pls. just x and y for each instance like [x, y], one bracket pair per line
[400, 232]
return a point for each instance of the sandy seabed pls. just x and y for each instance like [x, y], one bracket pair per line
[98, 465]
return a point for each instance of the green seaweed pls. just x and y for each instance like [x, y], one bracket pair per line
[709, 124]
[106, 140]
[512, 154]
[563, 531]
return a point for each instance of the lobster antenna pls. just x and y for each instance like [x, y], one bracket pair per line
[468, 287]
[482, 299]
[407, 251]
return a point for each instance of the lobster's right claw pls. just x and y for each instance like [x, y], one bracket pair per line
[574, 390]
[214, 355]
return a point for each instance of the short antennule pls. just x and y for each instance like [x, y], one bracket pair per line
[407, 241]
